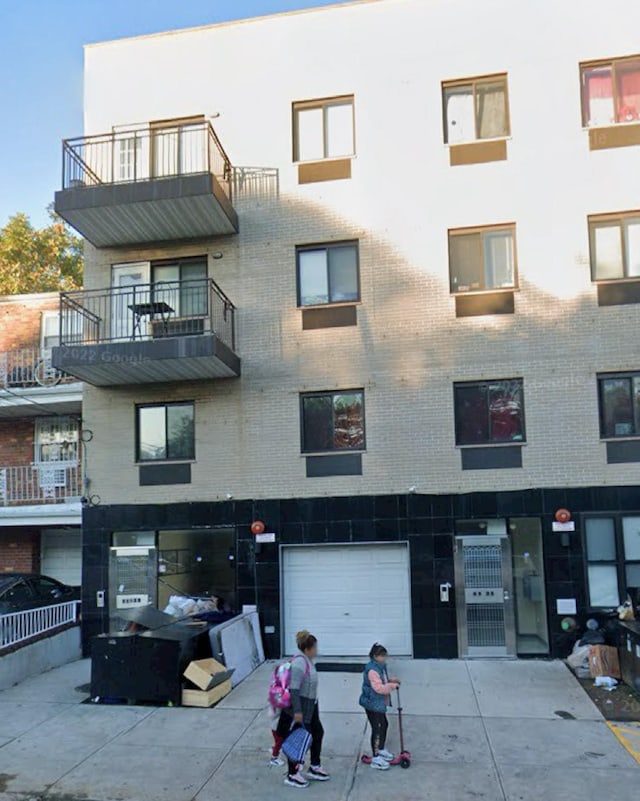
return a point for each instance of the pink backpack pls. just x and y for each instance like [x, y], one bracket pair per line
[279, 687]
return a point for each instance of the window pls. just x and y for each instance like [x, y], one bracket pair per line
[47, 588]
[333, 421]
[614, 241]
[57, 439]
[611, 92]
[612, 546]
[328, 274]
[489, 412]
[50, 330]
[182, 285]
[482, 259]
[475, 109]
[619, 405]
[323, 129]
[165, 432]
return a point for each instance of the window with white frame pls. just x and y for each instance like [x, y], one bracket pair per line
[323, 129]
[49, 330]
[57, 439]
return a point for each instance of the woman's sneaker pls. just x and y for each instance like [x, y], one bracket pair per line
[379, 763]
[297, 780]
[385, 754]
[318, 774]
[276, 762]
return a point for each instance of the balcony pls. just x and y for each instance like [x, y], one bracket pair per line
[147, 185]
[148, 333]
[28, 380]
[40, 483]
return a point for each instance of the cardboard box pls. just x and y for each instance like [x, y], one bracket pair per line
[206, 698]
[603, 661]
[206, 674]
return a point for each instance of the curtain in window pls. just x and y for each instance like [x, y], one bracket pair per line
[166, 286]
[310, 134]
[491, 110]
[312, 266]
[632, 246]
[339, 133]
[608, 252]
[599, 96]
[628, 85]
[505, 411]
[498, 259]
[460, 119]
[465, 262]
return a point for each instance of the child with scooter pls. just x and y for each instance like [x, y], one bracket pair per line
[376, 688]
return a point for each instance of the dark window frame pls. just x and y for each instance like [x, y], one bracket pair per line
[327, 246]
[321, 103]
[614, 64]
[483, 230]
[138, 458]
[473, 84]
[621, 376]
[620, 562]
[487, 384]
[332, 393]
[619, 220]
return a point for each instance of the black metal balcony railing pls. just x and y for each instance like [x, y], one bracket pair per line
[147, 312]
[145, 153]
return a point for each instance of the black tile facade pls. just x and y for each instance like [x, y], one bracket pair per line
[427, 522]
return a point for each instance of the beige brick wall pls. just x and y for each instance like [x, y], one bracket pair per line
[408, 347]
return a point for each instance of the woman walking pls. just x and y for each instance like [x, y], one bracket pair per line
[304, 710]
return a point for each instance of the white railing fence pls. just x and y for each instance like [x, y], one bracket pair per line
[42, 482]
[29, 367]
[17, 627]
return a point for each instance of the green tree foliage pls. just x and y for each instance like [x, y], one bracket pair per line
[34, 259]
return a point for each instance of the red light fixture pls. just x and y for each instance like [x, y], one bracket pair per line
[563, 516]
[257, 527]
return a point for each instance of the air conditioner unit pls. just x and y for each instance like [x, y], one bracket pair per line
[178, 327]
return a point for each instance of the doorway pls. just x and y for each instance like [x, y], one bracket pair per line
[484, 597]
[501, 591]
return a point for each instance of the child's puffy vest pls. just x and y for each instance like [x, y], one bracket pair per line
[280, 685]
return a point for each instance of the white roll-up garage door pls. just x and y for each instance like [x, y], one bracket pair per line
[61, 555]
[349, 596]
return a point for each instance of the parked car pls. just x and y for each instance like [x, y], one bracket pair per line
[20, 591]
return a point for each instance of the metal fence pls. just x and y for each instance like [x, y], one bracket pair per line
[145, 153]
[43, 482]
[19, 627]
[147, 311]
[30, 367]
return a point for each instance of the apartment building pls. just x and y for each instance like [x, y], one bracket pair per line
[40, 444]
[358, 329]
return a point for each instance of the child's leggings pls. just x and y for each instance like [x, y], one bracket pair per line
[379, 726]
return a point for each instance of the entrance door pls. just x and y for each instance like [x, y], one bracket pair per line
[124, 280]
[484, 596]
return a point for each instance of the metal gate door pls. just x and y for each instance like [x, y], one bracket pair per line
[133, 580]
[484, 597]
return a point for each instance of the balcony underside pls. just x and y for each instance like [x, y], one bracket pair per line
[21, 402]
[192, 358]
[155, 210]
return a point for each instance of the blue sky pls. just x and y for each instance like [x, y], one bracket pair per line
[41, 76]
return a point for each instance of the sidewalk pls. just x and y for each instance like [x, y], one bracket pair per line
[477, 730]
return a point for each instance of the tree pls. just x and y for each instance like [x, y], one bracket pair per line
[34, 259]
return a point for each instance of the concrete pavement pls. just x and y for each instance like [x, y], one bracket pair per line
[499, 731]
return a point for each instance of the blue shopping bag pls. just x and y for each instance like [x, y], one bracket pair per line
[297, 744]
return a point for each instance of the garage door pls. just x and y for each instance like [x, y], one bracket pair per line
[61, 555]
[349, 596]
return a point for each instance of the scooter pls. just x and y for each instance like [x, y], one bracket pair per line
[404, 757]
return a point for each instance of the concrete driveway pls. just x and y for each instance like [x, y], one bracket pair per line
[500, 731]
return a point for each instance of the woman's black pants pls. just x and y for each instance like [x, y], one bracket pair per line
[285, 725]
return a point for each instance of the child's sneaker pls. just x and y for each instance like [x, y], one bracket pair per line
[385, 754]
[379, 763]
[297, 780]
[276, 762]
[318, 774]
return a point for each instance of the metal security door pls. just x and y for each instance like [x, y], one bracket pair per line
[484, 597]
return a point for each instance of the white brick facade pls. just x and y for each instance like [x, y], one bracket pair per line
[408, 347]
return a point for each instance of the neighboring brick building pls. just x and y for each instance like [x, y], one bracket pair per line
[40, 448]
[406, 236]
